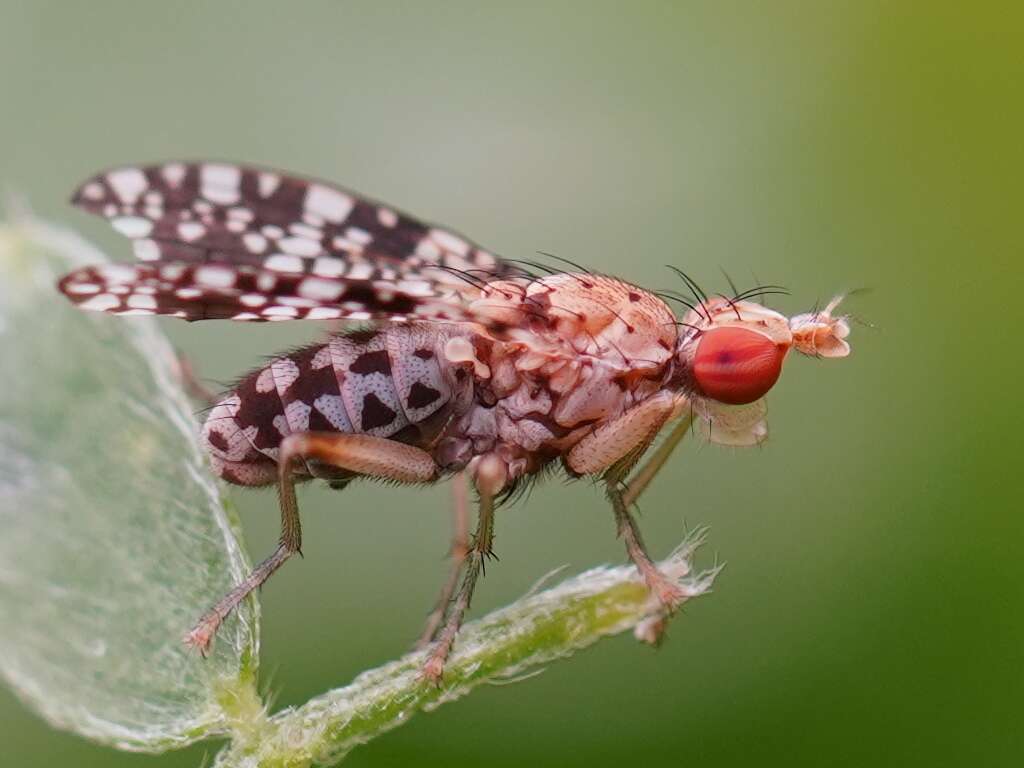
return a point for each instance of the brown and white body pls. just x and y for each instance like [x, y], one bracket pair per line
[473, 367]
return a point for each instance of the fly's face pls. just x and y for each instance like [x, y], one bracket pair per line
[731, 354]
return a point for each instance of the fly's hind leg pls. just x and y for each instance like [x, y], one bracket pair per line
[363, 454]
[458, 552]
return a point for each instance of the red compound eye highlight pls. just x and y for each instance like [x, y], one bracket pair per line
[735, 365]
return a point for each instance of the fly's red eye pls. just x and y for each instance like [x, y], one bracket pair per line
[736, 365]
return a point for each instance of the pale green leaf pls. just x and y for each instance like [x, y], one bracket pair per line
[113, 539]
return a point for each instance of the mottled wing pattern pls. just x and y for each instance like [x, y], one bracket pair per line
[219, 212]
[199, 291]
[226, 241]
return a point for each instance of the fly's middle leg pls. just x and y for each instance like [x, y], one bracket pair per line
[490, 476]
[458, 552]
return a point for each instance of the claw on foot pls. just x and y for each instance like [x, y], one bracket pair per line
[201, 637]
[667, 592]
[433, 670]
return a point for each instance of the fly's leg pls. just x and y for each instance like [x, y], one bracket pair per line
[666, 590]
[613, 450]
[489, 477]
[642, 477]
[459, 550]
[191, 383]
[364, 454]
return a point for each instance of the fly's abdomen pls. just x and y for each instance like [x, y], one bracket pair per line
[387, 383]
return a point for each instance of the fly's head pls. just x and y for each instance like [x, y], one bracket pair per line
[731, 352]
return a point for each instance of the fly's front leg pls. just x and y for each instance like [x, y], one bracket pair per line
[613, 449]
[490, 476]
[459, 550]
[363, 454]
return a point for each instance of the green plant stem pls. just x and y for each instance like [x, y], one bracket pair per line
[506, 644]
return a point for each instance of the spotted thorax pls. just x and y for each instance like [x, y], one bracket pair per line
[468, 365]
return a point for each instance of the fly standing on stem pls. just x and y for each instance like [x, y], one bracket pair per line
[472, 366]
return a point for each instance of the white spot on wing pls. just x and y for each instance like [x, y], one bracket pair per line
[81, 289]
[220, 183]
[268, 183]
[141, 301]
[173, 173]
[241, 213]
[128, 184]
[255, 242]
[93, 191]
[358, 235]
[318, 289]
[101, 303]
[299, 246]
[295, 301]
[449, 242]
[413, 287]
[305, 230]
[190, 230]
[387, 217]
[281, 312]
[215, 277]
[280, 262]
[188, 293]
[323, 313]
[252, 299]
[329, 203]
[172, 272]
[329, 267]
[146, 250]
[428, 249]
[360, 271]
[132, 226]
[117, 273]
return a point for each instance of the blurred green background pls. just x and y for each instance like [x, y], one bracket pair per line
[871, 610]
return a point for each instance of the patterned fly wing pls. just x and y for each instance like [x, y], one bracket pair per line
[218, 212]
[204, 291]
[226, 241]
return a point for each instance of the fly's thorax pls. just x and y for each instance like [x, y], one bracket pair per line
[592, 315]
[579, 348]
[537, 397]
